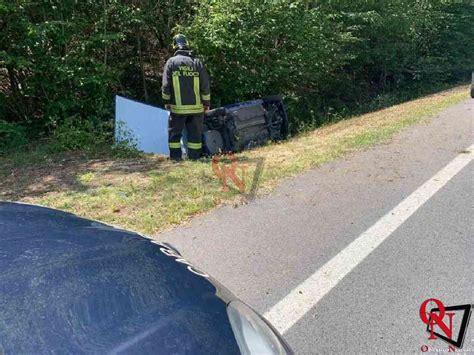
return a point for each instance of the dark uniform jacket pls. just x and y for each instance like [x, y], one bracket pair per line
[185, 84]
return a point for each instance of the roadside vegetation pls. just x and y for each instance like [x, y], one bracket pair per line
[149, 194]
[62, 62]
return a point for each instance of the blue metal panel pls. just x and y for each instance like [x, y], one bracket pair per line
[147, 125]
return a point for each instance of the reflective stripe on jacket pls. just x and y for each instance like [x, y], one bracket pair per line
[185, 84]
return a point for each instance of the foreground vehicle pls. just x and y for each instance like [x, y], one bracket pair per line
[72, 285]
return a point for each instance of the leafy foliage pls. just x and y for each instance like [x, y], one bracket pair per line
[330, 56]
[61, 62]
[11, 136]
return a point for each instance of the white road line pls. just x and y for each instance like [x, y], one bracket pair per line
[306, 295]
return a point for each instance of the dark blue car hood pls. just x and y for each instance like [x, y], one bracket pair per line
[71, 285]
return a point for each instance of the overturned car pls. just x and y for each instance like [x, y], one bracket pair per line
[241, 126]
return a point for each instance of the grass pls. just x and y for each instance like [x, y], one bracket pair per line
[149, 194]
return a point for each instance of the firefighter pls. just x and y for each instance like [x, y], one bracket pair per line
[186, 94]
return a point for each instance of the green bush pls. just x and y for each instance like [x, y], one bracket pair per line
[67, 58]
[264, 48]
[76, 134]
[327, 56]
[11, 136]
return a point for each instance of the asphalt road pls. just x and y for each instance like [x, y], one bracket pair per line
[315, 237]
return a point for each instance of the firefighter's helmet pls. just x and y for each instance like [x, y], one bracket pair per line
[180, 42]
